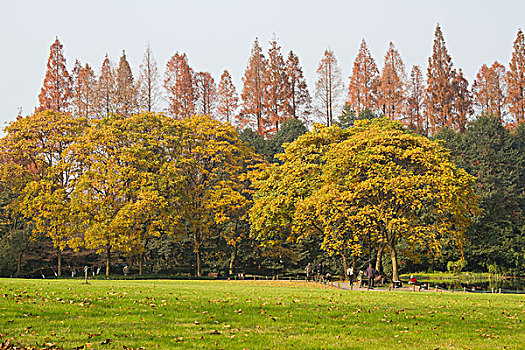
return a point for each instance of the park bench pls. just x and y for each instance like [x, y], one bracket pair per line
[397, 284]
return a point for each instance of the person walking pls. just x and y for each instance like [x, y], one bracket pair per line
[308, 270]
[370, 273]
[350, 273]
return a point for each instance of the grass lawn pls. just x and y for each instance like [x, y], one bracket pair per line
[253, 315]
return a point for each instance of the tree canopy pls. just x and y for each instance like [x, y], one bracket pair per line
[375, 183]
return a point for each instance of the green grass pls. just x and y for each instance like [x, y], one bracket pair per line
[448, 276]
[252, 315]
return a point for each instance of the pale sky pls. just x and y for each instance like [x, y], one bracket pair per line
[218, 35]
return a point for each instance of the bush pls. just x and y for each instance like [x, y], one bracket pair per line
[456, 266]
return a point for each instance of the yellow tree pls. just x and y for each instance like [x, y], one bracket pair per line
[15, 229]
[375, 182]
[39, 142]
[282, 188]
[397, 187]
[212, 166]
[126, 184]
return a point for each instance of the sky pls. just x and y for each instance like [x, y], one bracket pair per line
[218, 35]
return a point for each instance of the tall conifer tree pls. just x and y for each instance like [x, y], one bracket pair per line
[462, 101]
[362, 89]
[489, 90]
[391, 89]
[106, 89]
[206, 92]
[84, 91]
[227, 99]
[440, 87]
[253, 109]
[149, 82]
[415, 101]
[126, 89]
[277, 89]
[180, 86]
[516, 80]
[299, 102]
[57, 90]
[328, 87]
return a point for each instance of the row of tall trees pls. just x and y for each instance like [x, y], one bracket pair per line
[274, 89]
[117, 182]
[199, 195]
[445, 99]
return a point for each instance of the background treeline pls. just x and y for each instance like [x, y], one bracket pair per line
[90, 125]
[274, 89]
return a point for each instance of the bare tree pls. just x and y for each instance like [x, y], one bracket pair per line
[149, 82]
[328, 87]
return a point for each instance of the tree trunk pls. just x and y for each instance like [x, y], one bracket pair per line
[395, 274]
[108, 259]
[198, 256]
[19, 263]
[232, 259]
[354, 264]
[141, 262]
[379, 259]
[59, 263]
[345, 267]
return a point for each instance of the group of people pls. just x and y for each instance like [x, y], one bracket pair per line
[315, 273]
[370, 276]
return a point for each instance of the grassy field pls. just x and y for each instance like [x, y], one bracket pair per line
[251, 315]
